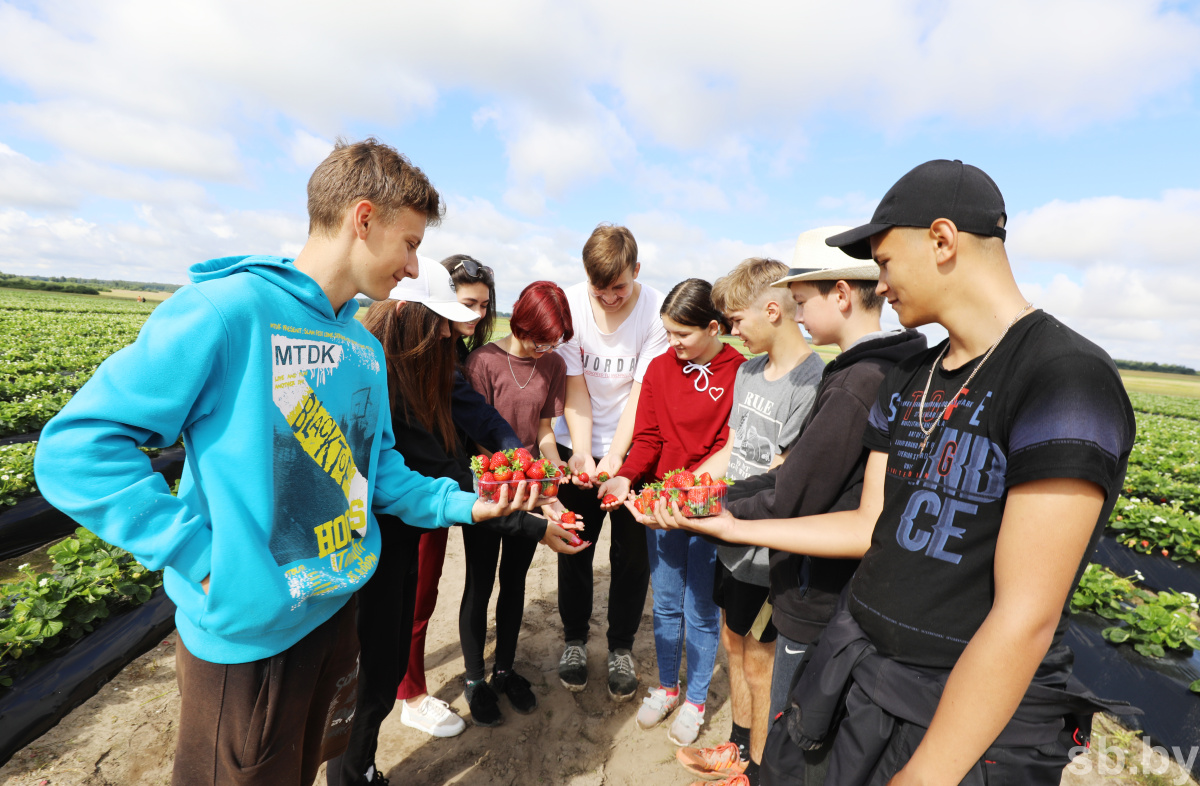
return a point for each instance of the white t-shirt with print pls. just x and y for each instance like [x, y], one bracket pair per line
[610, 362]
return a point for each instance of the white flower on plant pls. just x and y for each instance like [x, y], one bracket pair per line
[23, 567]
[1158, 520]
[43, 582]
[1139, 575]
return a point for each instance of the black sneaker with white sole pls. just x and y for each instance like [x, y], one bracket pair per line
[622, 675]
[572, 666]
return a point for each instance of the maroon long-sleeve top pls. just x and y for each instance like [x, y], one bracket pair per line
[682, 415]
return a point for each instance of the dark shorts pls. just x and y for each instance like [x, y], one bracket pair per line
[747, 607]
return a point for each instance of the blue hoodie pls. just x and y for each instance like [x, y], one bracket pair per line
[283, 407]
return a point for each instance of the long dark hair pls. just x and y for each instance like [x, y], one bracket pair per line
[459, 275]
[690, 303]
[420, 364]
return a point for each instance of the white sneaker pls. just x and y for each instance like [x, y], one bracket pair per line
[656, 707]
[432, 716]
[687, 724]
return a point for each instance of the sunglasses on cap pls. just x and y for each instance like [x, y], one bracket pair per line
[473, 269]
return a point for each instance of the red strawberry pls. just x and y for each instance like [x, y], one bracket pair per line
[609, 499]
[684, 479]
[602, 477]
[648, 495]
[498, 460]
[583, 477]
[705, 479]
[519, 475]
[503, 473]
[487, 477]
[698, 496]
[479, 464]
[522, 455]
[568, 517]
[575, 539]
[549, 488]
[536, 471]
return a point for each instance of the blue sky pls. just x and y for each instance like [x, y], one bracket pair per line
[139, 137]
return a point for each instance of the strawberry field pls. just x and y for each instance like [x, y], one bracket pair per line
[1139, 601]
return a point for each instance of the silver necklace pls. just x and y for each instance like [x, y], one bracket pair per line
[962, 391]
[532, 371]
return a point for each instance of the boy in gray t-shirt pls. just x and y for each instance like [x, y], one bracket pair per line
[772, 396]
[765, 421]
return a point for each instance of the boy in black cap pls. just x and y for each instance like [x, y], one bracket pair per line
[996, 457]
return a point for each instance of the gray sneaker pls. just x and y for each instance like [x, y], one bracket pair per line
[622, 675]
[572, 666]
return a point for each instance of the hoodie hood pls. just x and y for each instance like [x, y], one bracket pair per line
[892, 348]
[281, 272]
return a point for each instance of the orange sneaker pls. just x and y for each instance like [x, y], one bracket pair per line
[736, 780]
[723, 761]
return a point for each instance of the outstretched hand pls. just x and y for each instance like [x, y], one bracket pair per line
[669, 516]
[618, 487]
[522, 500]
[582, 464]
[559, 539]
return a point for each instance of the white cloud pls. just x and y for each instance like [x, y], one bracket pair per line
[1110, 229]
[114, 136]
[576, 89]
[159, 246]
[307, 150]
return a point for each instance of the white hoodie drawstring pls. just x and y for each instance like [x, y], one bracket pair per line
[704, 370]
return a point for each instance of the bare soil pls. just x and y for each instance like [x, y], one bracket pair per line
[126, 733]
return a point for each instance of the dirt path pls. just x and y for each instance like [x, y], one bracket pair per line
[126, 734]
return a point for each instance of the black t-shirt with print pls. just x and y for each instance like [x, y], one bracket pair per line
[1047, 404]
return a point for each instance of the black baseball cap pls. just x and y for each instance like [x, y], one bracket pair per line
[936, 189]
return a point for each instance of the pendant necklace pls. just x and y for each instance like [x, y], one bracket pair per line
[962, 391]
[532, 371]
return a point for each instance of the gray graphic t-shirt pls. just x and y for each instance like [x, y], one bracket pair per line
[765, 421]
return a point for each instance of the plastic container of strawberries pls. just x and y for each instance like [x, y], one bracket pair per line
[547, 488]
[694, 502]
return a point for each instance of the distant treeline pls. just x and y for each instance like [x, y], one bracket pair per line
[135, 286]
[20, 282]
[1165, 368]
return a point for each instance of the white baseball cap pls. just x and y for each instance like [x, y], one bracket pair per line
[433, 289]
[812, 261]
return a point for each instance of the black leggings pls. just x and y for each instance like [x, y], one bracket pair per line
[483, 551]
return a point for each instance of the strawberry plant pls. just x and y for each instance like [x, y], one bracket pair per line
[16, 473]
[1165, 530]
[90, 580]
[1154, 623]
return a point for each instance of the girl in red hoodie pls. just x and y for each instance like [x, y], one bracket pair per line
[682, 419]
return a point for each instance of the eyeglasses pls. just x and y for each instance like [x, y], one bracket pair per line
[547, 347]
[473, 268]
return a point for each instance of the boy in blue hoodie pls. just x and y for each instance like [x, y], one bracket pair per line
[281, 397]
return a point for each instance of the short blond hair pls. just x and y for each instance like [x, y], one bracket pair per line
[373, 171]
[745, 285]
[608, 253]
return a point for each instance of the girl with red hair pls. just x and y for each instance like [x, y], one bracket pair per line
[526, 381]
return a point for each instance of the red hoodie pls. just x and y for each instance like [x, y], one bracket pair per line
[682, 414]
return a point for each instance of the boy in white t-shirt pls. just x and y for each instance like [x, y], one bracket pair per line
[617, 333]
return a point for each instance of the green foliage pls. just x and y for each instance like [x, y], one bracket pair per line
[20, 282]
[1154, 623]
[1162, 368]
[1163, 530]
[90, 580]
[1172, 406]
[16, 473]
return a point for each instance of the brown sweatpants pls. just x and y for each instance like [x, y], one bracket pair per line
[271, 721]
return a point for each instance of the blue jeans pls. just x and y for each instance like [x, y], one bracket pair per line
[682, 567]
